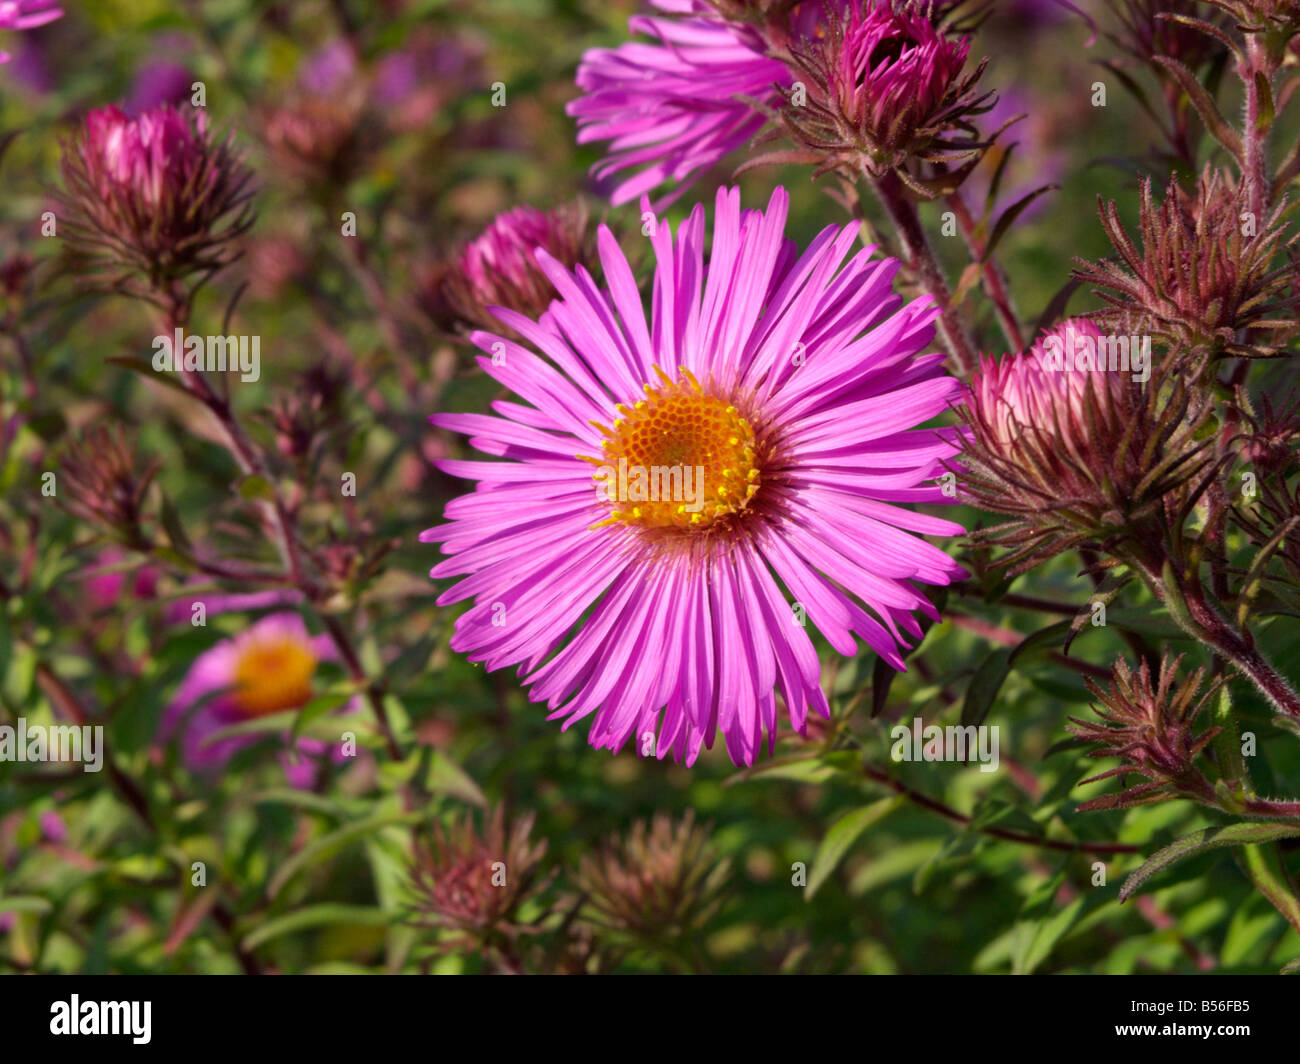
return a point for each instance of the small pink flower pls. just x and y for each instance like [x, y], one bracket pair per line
[53, 827]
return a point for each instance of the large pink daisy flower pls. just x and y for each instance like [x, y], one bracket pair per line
[784, 391]
[676, 106]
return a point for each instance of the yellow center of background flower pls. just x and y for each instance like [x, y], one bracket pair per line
[679, 426]
[272, 675]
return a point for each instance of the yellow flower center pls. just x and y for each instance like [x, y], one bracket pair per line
[679, 458]
[272, 675]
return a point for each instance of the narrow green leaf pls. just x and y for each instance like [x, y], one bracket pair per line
[1203, 841]
[1008, 217]
[447, 777]
[315, 916]
[327, 845]
[842, 835]
[1205, 106]
[985, 685]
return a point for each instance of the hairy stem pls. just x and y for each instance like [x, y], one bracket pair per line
[920, 261]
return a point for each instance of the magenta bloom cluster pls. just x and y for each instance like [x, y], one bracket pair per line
[893, 70]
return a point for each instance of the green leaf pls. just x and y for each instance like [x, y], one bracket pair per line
[327, 845]
[1203, 841]
[315, 916]
[447, 777]
[25, 904]
[1008, 217]
[985, 685]
[1265, 92]
[317, 708]
[1264, 865]
[256, 487]
[145, 370]
[842, 835]
[802, 768]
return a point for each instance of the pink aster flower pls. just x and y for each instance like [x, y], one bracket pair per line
[268, 668]
[674, 107]
[782, 392]
[1075, 446]
[26, 15]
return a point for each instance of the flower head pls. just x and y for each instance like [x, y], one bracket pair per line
[26, 15]
[498, 268]
[268, 668]
[105, 485]
[665, 477]
[1204, 272]
[1151, 729]
[472, 882]
[661, 882]
[883, 85]
[1063, 437]
[154, 194]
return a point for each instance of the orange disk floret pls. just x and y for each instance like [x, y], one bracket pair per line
[679, 458]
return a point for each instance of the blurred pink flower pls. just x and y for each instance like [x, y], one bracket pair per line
[53, 827]
[268, 668]
[159, 83]
[26, 15]
[330, 69]
[107, 579]
[498, 267]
